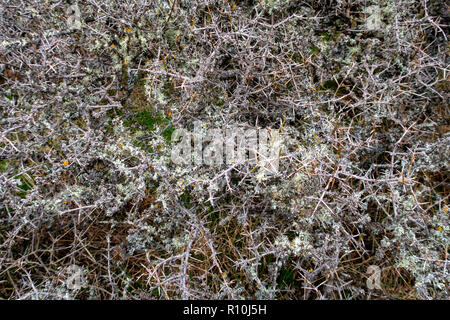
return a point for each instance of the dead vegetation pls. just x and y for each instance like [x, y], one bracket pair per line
[358, 89]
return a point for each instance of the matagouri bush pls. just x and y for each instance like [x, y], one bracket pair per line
[356, 89]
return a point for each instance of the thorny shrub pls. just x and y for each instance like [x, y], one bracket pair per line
[357, 88]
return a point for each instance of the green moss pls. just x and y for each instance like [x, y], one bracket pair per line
[443, 83]
[286, 279]
[329, 35]
[333, 86]
[171, 36]
[219, 102]
[4, 165]
[150, 122]
[186, 199]
[377, 70]
[145, 119]
[329, 85]
[26, 184]
[167, 134]
[314, 50]
[155, 293]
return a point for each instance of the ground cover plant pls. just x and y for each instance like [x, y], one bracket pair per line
[92, 91]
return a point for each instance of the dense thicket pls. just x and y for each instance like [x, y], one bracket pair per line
[358, 89]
